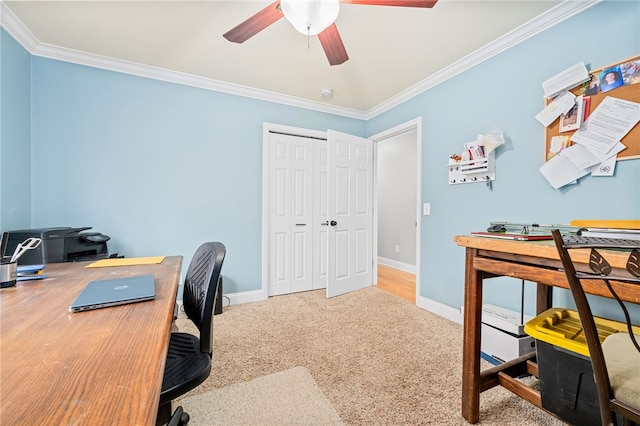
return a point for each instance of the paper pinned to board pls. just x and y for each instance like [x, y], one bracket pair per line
[565, 80]
[560, 171]
[583, 158]
[124, 261]
[561, 105]
[608, 124]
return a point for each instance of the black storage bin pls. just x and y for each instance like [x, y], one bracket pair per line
[566, 385]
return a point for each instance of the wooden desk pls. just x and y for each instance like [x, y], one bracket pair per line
[536, 261]
[95, 367]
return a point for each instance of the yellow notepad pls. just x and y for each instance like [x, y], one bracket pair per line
[130, 261]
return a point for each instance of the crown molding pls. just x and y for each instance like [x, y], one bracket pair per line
[16, 28]
[527, 30]
[552, 17]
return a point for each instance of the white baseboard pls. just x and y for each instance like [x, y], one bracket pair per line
[236, 298]
[245, 297]
[397, 264]
[439, 309]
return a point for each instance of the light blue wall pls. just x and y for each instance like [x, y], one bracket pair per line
[162, 167]
[159, 167]
[505, 92]
[15, 149]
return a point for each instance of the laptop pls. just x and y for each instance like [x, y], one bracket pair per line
[113, 292]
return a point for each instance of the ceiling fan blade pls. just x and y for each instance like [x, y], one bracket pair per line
[255, 24]
[401, 3]
[333, 46]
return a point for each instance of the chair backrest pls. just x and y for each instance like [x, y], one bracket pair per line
[602, 271]
[201, 289]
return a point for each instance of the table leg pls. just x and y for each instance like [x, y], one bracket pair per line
[544, 297]
[471, 340]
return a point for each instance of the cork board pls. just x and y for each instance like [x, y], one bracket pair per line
[630, 92]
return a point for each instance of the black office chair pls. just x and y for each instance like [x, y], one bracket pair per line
[179, 418]
[616, 359]
[189, 357]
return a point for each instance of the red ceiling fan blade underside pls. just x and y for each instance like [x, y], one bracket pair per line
[332, 45]
[256, 23]
[400, 3]
[329, 38]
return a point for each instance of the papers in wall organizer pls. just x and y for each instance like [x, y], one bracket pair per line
[608, 124]
[565, 80]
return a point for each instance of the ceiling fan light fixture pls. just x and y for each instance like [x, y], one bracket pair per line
[310, 17]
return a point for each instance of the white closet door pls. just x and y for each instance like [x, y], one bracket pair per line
[349, 212]
[291, 215]
[320, 237]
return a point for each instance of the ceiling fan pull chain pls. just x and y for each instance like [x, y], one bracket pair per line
[308, 37]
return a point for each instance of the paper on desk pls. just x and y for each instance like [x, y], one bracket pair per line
[561, 105]
[608, 124]
[126, 261]
[560, 171]
[565, 80]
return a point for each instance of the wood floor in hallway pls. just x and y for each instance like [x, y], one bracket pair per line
[395, 281]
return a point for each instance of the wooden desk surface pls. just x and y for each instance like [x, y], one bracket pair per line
[545, 249]
[95, 367]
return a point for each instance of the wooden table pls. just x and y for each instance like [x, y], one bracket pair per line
[536, 261]
[95, 367]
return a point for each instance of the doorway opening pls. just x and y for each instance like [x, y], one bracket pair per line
[398, 180]
[410, 130]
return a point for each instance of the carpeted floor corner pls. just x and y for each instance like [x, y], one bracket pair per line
[289, 397]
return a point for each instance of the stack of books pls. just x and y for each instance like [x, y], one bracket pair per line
[30, 272]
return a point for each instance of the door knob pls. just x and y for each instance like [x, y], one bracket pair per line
[334, 223]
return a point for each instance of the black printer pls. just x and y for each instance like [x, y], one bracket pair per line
[63, 244]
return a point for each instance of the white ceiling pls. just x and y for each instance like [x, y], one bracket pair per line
[391, 49]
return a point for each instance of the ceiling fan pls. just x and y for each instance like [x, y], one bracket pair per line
[312, 17]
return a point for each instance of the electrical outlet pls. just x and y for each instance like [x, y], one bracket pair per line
[397, 248]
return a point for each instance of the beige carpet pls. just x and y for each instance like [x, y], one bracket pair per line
[378, 359]
[289, 397]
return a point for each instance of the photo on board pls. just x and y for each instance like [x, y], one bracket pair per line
[611, 78]
[631, 72]
[591, 87]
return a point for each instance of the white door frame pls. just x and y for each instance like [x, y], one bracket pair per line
[415, 124]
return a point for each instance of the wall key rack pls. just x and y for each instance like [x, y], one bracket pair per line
[470, 171]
